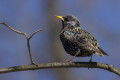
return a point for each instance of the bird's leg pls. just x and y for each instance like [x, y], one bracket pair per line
[70, 60]
[90, 59]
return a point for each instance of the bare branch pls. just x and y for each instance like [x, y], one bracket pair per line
[35, 33]
[54, 65]
[18, 32]
[107, 67]
[27, 37]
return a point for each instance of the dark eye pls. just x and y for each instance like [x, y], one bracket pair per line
[66, 19]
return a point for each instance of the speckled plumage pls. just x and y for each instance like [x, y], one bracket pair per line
[76, 40]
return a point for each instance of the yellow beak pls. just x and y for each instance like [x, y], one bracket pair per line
[60, 17]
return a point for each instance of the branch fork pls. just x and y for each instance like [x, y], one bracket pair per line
[26, 36]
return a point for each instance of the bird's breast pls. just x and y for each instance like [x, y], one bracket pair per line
[69, 45]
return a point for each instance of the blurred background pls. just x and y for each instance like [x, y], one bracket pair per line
[99, 17]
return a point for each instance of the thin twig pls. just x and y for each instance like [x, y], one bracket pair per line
[18, 32]
[107, 67]
[27, 37]
[35, 33]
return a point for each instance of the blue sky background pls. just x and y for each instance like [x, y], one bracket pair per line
[100, 18]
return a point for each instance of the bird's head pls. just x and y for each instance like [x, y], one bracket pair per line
[69, 21]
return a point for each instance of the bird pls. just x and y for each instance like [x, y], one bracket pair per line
[76, 41]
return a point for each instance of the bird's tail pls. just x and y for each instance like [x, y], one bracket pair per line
[103, 52]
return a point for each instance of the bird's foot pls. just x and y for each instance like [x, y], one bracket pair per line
[90, 62]
[69, 61]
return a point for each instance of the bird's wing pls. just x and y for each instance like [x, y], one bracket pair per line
[80, 36]
[85, 37]
[87, 42]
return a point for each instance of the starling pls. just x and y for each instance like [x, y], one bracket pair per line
[76, 41]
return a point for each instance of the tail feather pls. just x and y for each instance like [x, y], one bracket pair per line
[103, 52]
[99, 54]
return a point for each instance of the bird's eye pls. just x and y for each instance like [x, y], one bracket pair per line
[66, 19]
